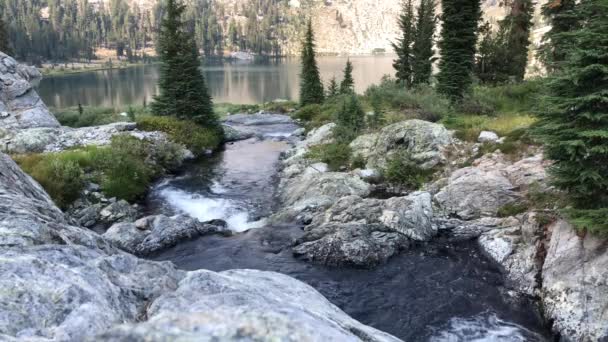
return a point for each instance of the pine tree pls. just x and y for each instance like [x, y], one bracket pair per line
[458, 44]
[311, 88]
[574, 124]
[517, 25]
[4, 38]
[422, 51]
[403, 46]
[333, 89]
[347, 86]
[183, 92]
[377, 119]
[350, 120]
[562, 19]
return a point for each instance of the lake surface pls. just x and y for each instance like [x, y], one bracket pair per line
[442, 291]
[235, 82]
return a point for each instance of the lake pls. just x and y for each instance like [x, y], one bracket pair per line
[229, 81]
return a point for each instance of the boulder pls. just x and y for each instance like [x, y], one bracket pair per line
[236, 134]
[365, 232]
[155, 233]
[20, 105]
[518, 250]
[488, 137]
[422, 141]
[244, 305]
[65, 283]
[575, 284]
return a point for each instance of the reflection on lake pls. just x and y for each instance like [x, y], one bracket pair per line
[235, 82]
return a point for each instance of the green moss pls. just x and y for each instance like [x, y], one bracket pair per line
[196, 138]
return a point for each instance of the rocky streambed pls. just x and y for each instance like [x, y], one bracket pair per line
[440, 290]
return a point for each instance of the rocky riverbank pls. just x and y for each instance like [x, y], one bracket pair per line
[542, 256]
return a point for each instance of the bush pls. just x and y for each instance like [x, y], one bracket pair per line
[335, 155]
[196, 138]
[592, 220]
[401, 170]
[512, 209]
[358, 162]
[124, 169]
[223, 109]
[468, 127]
[95, 116]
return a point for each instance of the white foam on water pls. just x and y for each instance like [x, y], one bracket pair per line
[207, 209]
[486, 327]
[218, 188]
[278, 135]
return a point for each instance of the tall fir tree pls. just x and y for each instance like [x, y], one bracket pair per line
[403, 45]
[517, 25]
[311, 88]
[422, 50]
[332, 89]
[5, 45]
[557, 42]
[574, 122]
[183, 91]
[347, 86]
[458, 45]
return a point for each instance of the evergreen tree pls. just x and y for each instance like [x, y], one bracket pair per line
[183, 92]
[403, 46]
[4, 39]
[458, 44]
[348, 83]
[311, 88]
[350, 120]
[422, 51]
[377, 119]
[574, 124]
[518, 24]
[562, 18]
[333, 89]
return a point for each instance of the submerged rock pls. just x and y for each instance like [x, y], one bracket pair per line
[20, 105]
[154, 233]
[235, 134]
[258, 119]
[422, 141]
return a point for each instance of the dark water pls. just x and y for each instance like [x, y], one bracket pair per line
[441, 291]
[234, 82]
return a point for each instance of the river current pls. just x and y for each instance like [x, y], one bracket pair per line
[444, 290]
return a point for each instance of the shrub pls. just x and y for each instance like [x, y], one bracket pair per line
[468, 127]
[196, 138]
[358, 162]
[95, 116]
[401, 170]
[512, 209]
[124, 169]
[335, 155]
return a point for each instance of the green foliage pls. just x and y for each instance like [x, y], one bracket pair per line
[350, 120]
[124, 169]
[358, 162]
[556, 43]
[512, 209]
[4, 38]
[311, 88]
[196, 138]
[457, 45]
[422, 50]
[403, 45]
[183, 91]
[401, 170]
[95, 116]
[223, 109]
[131, 114]
[347, 86]
[592, 220]
[377, 119]
[335, 155]
[468, 127]
[399, 103]
[503, 55]
[574, 120]
[332, 88]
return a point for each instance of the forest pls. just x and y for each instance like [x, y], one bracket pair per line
[40, 31]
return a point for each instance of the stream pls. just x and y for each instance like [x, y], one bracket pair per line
[443, 290]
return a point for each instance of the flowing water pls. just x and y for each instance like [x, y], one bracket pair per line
[234, 82]
[439, 291]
